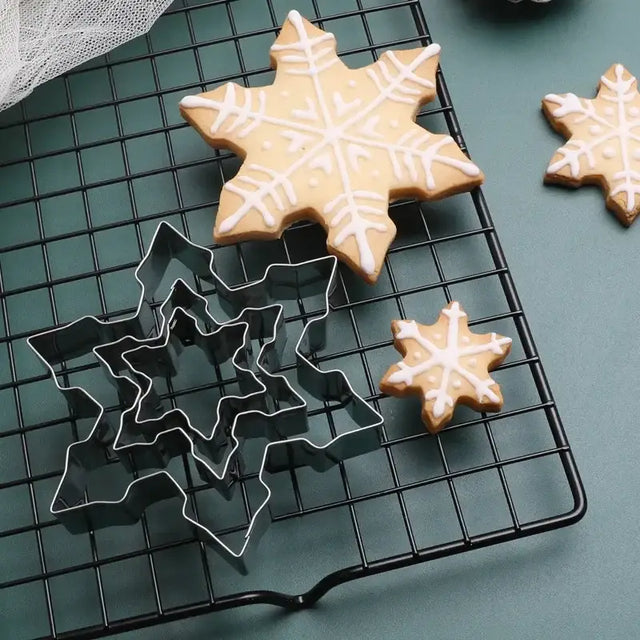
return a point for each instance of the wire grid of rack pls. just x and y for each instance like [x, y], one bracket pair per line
[482, 481]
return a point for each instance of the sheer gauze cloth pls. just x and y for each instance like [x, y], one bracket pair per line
[40, 39]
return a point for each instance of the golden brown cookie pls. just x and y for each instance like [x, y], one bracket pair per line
[445, 363]
[604, 141]
[329, 143]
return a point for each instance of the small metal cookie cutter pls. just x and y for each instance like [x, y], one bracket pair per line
[136, 349]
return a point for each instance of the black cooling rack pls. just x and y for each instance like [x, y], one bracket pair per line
[482, 481]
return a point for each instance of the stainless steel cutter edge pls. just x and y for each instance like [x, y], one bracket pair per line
[332, 384]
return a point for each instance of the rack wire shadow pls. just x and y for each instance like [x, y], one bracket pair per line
[91, 163]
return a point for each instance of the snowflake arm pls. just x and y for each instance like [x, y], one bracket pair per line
[231, 113]
[302, 49]
[445, 364]
[429, 166]
[405, 78]
[569, 104]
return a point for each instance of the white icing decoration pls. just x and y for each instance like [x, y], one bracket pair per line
[595, 129]
[323, 162]
[298, 140]
[466, 339]
[352, 83]
[313, 182]
[387, 84]
[417, 354]
[343, 107]
[636, 154]
[437, 336]
[472, 362]
[393, 124]
[305, 55]
[358, 225]
[285, 94]
[456, 384]
[254, 199]
[634, 111]
[618, 127]
[449, 360]
[368, 127]
[310, 113]
[375, 173]
[431, 379]
[354, 152]
[332, 134]
[266, 145]
[408, 149]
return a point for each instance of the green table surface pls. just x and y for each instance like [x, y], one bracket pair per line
[574, 267]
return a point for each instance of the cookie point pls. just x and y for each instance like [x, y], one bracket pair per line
[294, 16]
[226, 225]
[368, 265]
[434, 48]
[473, 170]
[188, 102]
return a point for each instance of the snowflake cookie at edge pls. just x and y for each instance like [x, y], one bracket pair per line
[329, 143]
[445, 364]
[604, 141]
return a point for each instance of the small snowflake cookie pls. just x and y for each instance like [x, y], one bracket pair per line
[329, 143]
[604, 141]
[445, 363]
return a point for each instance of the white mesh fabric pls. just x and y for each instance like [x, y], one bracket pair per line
[40, 39]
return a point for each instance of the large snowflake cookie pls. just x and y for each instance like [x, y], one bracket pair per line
[329, 143]
[604, 141]
[445, 363]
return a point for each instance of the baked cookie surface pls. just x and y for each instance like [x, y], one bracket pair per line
[604, 141]
[329, 143]
[445, 364]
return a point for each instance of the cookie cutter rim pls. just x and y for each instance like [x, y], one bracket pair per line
[213, 476]
[332, 384]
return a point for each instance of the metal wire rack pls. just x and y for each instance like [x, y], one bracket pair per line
[88, 166]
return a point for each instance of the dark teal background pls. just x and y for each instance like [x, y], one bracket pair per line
[576, 269]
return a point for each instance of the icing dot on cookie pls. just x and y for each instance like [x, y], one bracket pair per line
[456, 384]
[437, 336]
[595, 129]
[431, 379]
[609, 152]
[634, 111]
[466, 339]
[417, 354]
[393, 124]
[375, 173]
[266, 144]
[609, 111]
[285, 94]
[473, 362]
[313, 182]
[352, 83]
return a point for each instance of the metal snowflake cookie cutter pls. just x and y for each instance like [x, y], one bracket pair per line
[152, 436]
[130, 336]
